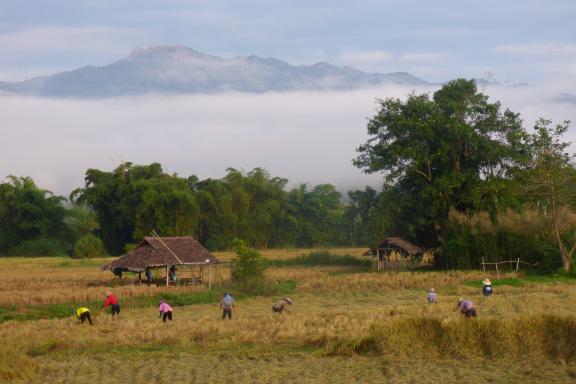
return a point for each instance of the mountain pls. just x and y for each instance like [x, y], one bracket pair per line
[182, 70]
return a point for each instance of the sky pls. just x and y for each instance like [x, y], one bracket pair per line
[513, 40]
[307, 137]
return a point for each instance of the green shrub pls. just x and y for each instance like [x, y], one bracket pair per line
[39, 247]
[89, 246]
[322, 258]
[250, 265]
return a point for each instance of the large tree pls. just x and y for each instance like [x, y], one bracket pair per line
[440, 153]
[132, 200]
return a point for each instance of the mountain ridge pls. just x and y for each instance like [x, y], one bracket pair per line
[177, 69]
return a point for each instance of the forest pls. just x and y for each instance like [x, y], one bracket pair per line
[461, 176]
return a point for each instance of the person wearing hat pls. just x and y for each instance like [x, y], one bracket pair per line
[432, 296]
[112, 301]
[467, 308]
[165, 311]
[83, 314]
[486, 287]
[279, 306]
[227, 303]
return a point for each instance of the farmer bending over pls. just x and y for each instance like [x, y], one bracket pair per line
[279, 306]
[466, 307]
[165, 311]
[227, 303]
[112, 301]
[83, 314]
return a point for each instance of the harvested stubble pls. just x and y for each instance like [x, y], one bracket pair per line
[381, 320]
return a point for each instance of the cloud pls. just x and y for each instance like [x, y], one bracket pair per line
[539, 49]
[423, 56]
[76, 40]
[365, 58]
[303, 136]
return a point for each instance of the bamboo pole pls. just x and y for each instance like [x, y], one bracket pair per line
[167, 247]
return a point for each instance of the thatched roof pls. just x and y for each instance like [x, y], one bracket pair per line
[396, 243]
[153, 252]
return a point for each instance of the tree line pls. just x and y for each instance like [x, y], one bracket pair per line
[121, 206]
[461, 176]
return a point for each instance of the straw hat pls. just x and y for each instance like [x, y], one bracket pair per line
[287, 299]
[460, 300]
[487, 281]
[431, 290]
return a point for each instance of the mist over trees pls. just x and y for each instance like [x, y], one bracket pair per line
[462, 176]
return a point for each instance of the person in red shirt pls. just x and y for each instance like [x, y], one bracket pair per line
[112, 301]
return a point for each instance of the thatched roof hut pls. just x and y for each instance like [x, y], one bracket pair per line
[402, 250]
[397, 244]
[157, 252]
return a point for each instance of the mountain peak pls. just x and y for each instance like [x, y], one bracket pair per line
[161, 51]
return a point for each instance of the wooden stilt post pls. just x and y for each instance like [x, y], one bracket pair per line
[139, 278]
[378, 259]
[209, 276]
[167, 276]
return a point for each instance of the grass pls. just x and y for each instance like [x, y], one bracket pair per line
[526, 280]
[356, 326]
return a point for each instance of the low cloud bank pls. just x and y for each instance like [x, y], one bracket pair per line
[303, 136]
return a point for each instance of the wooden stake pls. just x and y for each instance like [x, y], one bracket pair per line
[484, 267]
[167, 276]
[210, 276]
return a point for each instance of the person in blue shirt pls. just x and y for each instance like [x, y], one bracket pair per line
[487, 287]
[149, 276]
[227, 303]
[432, 296]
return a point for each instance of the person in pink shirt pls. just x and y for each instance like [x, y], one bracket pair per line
[165, 311]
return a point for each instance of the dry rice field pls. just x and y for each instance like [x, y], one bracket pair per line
[347, 325]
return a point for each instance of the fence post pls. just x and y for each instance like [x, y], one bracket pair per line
[483, 266]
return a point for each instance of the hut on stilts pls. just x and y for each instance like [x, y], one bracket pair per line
[182, 260]
[394, 254]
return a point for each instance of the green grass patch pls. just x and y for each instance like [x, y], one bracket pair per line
[525, 280]
[321, 258]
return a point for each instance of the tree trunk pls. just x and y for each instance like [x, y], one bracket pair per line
[565, 254]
